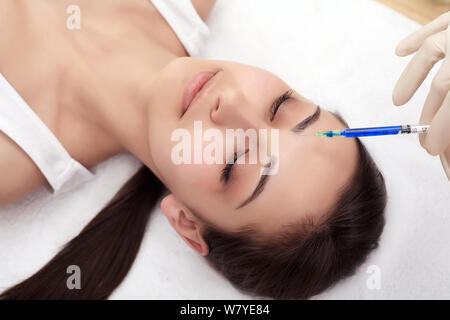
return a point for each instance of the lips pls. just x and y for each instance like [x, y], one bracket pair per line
[194, 88]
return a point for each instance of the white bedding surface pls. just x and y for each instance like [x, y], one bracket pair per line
[339, 54]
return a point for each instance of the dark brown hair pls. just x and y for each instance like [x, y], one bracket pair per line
[104, 250]
[303, 260]
[307, 256]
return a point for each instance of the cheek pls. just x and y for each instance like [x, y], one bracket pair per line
[167, 90]
[255, 82]
[193, 181]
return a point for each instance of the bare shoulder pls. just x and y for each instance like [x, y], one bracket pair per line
[203, 7]
[19, 174]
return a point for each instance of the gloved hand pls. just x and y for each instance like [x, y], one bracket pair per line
[432, 43]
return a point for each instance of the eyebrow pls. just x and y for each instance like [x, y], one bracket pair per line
[260, 187]
[302, 125]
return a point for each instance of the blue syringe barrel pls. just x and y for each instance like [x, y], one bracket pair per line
[365, 132]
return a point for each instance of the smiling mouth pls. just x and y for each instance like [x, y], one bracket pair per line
[195, 88]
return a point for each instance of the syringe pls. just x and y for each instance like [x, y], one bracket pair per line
[374, 131]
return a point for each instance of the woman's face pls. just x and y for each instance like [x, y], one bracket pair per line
[310, 170]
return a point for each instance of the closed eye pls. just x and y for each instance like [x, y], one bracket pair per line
[277, 103]
[227, 170]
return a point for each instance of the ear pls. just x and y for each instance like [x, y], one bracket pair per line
[184, 223]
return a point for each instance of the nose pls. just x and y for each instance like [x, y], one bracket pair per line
[233, 111]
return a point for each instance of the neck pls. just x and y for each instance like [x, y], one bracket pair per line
[118, 102]
[118, 65]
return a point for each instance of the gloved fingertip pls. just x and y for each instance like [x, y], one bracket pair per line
[402, 49]
[432, 149]
[422, 139]
[399, 51]
[433, 152]
[396, 99]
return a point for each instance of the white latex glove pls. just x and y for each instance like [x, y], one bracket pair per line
[432, 43]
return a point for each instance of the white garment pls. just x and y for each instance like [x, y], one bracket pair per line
[185, 22]
[24, 127]
[20, 123]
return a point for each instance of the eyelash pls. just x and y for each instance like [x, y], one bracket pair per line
[285, 96]
[226, 171]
